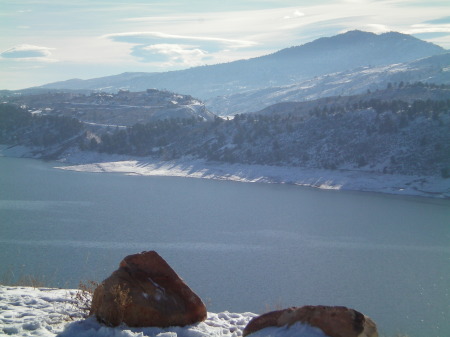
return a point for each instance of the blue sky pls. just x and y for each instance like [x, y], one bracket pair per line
[43, 41]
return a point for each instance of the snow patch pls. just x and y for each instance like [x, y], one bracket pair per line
[45, 312]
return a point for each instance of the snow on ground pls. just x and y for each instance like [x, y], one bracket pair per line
[43, 312]
[354, 180]
[33, 312]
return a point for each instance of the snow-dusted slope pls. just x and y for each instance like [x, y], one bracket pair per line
[434, 69]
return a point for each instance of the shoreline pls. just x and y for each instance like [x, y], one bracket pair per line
[347, 180]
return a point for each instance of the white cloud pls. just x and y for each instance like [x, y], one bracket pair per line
[428, 28]
[376, 28]
[171, 49]
[149, 37]
[177, 55]
[173, 32]
[296, 14]
[27, 52]
[176, 50]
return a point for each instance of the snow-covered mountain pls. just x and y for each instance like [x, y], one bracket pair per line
[288, 66]
[434, 69]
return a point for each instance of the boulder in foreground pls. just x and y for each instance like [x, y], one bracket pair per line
[145, 291]
[333, 321]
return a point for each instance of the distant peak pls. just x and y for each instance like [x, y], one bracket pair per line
[357, 32]
[357, 37]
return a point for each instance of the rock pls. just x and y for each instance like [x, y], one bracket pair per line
[146, 291]
[333, 321]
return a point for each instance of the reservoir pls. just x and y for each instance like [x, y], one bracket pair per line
[240, 246]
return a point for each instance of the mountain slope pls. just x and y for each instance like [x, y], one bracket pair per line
[434, 69]
[326, 55]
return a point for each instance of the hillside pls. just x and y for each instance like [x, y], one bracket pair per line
[372, 135]
[404, 92]
[323, 56]
[434, 69]
[401, 130]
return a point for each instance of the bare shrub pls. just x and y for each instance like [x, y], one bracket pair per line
[122, 299]
[82, 298]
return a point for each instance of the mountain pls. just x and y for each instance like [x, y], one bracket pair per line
[434, 69]
[288, 66]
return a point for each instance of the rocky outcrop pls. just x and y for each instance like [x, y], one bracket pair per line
[146, 291]
[333, 321]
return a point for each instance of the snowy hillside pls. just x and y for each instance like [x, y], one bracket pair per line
[323, 56]
[435, 69]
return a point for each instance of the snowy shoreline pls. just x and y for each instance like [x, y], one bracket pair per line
[350, 180]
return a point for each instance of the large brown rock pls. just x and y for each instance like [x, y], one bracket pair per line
[146, 291]
[333, 321]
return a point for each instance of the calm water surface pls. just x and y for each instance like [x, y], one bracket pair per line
[241, 247]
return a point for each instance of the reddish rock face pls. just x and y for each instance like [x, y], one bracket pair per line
[146, 291]
[333, 321]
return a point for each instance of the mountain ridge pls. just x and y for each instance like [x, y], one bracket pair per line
[275, 69]
[433, 69]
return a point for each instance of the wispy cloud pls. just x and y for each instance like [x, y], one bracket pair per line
[27, 52]
[295, 15]
[175, 50]
[171, 54]
[445, 19]
[428, 28]
[171, 34]
[377, 28]
[152, 37]
[162, 19]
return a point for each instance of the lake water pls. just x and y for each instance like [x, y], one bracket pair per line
[240, 246]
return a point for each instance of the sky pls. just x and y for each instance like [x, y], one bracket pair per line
[43, 41]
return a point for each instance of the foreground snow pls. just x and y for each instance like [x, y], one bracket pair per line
[49, 312]
[354, 180]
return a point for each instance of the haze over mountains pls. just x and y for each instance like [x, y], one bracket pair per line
[361, 55]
